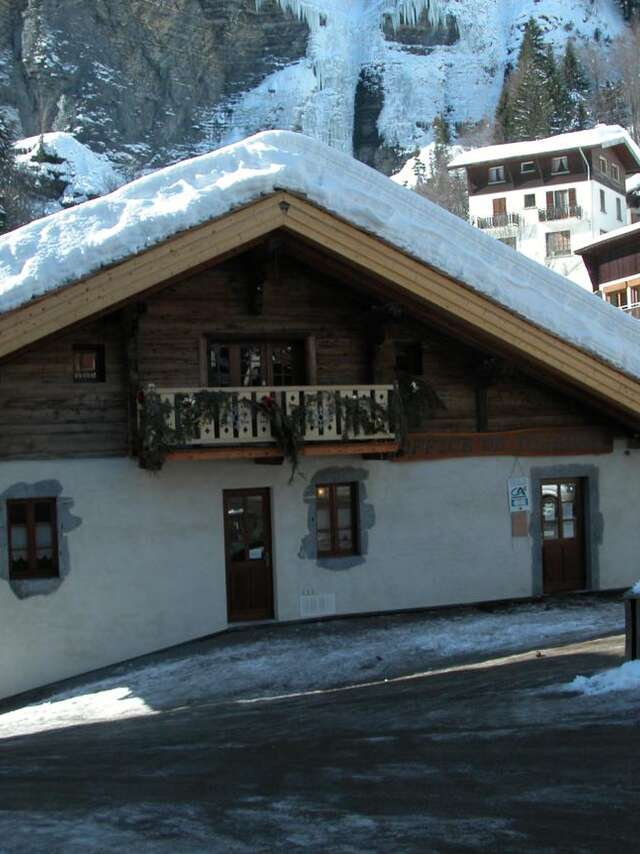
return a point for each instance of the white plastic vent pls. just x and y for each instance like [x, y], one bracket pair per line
[318, 605]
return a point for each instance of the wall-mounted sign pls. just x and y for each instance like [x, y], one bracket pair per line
[519, 494]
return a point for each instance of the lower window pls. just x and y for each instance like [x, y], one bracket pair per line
[336, 519]
[558, 244]
[33, 538]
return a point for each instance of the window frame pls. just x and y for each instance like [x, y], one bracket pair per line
[615, 173]
[267, 347]
[603, 165]
[619, 212]
[524, 171]
[551, 235]
[499, 172]
[335, 550]
[530, 196]
[100, 367]
[563, 161]
[603, 202]
[33, 572]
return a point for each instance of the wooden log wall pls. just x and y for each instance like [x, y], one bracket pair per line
[355, 340]
[44, 413]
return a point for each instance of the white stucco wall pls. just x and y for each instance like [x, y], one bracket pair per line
[147, 561]
[530, 235]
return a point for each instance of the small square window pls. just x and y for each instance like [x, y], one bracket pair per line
[604, 165]
[336, 519]
[530, 200]
[527, 167]
[603, 202]
[496, 174]
[559, 165]
[33, 538]
[558, 244]
[88, 364]
[615, 172]
[619, 209]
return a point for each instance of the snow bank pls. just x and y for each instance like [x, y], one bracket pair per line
[85, 174]
[604, 135]
[67, 246]
[623, 678]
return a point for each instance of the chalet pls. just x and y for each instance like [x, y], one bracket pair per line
[270, 384]
[613, 264]
[547, 198]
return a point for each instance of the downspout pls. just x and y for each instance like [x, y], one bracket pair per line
[586, 163]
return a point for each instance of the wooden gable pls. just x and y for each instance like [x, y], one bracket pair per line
[453, 307]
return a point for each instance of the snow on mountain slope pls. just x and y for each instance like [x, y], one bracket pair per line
[66, 168]
[460, 77]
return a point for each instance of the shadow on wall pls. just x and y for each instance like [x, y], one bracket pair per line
[26, 587]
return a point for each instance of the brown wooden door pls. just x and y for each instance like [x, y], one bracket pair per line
[563, 555]
[247, 534]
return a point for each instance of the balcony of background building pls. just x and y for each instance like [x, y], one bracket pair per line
[498, 220]
[555, 213]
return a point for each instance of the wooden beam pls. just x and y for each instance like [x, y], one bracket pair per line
[326, 449]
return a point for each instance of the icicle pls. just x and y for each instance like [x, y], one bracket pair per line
[408, 12]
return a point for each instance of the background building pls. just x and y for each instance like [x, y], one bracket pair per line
[548, 198]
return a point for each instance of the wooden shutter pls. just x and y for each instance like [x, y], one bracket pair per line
[499, 206]
[572, 197]
[549, 200]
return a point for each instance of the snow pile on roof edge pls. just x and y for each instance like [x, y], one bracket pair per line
[70, 245]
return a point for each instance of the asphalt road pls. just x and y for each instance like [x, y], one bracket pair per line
[478, 758]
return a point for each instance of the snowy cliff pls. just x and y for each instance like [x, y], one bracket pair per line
[151, 81]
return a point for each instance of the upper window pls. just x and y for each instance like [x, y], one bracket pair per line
[496, 174]
[603, 164]
[527, 167]
[530, 200]
[336, 519]
[619, 209]
[559, 165]
[618, 298]
[33, 538]
[603, 202]
[615, 172]
[88, 364]
[558, 244]
[250, 364]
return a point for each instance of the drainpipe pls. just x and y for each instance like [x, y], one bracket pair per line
[586, 163]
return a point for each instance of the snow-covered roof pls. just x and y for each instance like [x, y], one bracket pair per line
[610, 237]
[73, 244]
[601, 135]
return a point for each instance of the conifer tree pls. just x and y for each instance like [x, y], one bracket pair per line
[6, 169]
[576, 89]
[532, 107]
[445, 188]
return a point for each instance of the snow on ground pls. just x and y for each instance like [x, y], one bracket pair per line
[59, 157]
[286, 659]
[623, 678]
[67, 246]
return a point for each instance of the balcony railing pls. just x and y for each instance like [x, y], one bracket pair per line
[633, 309]
[562, 212]
[241, 416]
[498, 220]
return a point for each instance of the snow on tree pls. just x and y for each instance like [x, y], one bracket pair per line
[445, 188]
[576, 91]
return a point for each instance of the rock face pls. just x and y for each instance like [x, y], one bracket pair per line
[151, 81]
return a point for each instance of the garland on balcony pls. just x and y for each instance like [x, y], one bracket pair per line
[414, 398]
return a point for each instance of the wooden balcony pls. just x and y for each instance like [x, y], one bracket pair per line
[244, 422]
